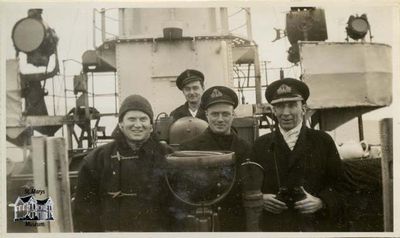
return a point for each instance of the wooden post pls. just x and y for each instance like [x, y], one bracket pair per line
[39, 171]
[65, 184]
[59, 187]
[386, 133]
[52, 182]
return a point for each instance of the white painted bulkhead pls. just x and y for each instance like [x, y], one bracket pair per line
[150, 68]
[347, 74]
[149, 22]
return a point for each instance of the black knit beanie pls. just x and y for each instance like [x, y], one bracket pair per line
[137, 103]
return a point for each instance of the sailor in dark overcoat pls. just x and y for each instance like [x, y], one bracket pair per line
[220, 103]
[121, 185]
[191, 83]
[296, 158]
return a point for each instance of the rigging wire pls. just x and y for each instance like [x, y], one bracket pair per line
[111, 18]
[236, 28]
[235, 13]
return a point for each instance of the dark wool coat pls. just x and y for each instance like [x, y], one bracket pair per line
[231, 213]
[140, 207]
[314, 164]
[183, 111]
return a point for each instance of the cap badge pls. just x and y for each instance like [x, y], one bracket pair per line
[284, 89]
[216, 93]
[187, 74]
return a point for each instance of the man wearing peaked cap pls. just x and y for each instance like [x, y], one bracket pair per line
[285, 90]
[191, 83]
[300, 188]
[219, 103]
[219, 94]
[121, 185]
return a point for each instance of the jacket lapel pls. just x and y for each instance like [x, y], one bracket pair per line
[198, 113]
[281, 143]
[235, 142]
[300, 150]
[237, 148]
[280, 152]
[187, 112]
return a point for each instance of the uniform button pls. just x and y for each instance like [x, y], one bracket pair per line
[219, 208]
[218, 184]
[114, 173]
[218, 195]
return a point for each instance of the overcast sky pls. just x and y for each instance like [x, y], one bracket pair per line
[73, 24]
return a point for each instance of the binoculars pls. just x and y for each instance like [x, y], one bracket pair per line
[290, 196]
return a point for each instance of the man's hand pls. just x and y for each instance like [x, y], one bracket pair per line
[308, 205]
[273, 205]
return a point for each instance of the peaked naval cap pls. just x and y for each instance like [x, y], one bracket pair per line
[188, 76]
[219, 94]
[287, 89]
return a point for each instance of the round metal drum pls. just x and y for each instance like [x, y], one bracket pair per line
[28, 34]
[185, 129]
[201, 178]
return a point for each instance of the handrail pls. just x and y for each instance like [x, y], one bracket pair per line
[103, 25]
[246, 25]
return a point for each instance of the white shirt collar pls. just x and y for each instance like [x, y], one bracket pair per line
[194, 113]
[292, 135]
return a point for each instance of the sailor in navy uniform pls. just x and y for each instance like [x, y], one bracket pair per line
[302, 167]
[121, 185]
[219, 103]
[191, 83]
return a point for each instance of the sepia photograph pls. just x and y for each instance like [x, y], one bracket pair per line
[264, 117]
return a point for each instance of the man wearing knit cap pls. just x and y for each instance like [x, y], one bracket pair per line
[302, 167]
[191, 83]
[121, 184]
[219, 103]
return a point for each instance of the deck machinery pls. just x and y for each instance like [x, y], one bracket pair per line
[154, 45]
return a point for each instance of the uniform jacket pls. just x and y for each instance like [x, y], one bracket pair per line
[231, 214]
[125, 195]
[314, 164]
[183, 111]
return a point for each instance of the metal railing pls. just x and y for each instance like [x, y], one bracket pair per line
[240, 24]
[104, 14]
